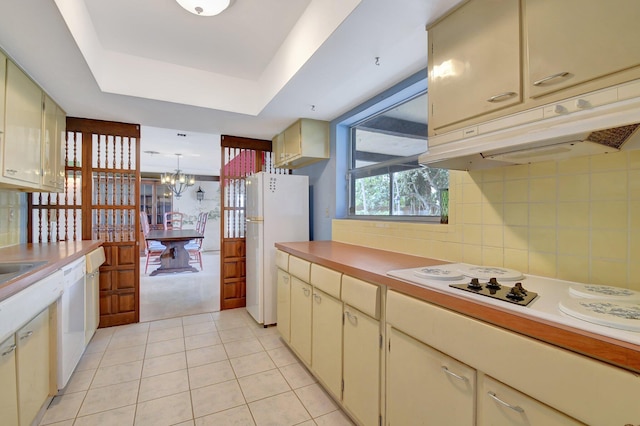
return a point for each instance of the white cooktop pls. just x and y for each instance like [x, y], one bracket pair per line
[558, 300]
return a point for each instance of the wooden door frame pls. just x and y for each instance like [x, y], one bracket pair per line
[232, 250]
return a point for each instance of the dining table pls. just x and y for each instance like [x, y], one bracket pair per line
[175, 257]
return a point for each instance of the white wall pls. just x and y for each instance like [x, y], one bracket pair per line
[191, 207]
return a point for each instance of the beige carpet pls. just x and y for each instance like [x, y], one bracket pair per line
[176, 295]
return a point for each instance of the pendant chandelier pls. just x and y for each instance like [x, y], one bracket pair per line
[204, 7]
[177, 181]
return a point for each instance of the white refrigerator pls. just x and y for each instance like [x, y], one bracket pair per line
[277, 210]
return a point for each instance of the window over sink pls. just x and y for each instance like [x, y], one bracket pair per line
[385, 178]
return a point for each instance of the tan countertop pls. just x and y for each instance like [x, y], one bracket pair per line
[55, 254]
[372, 265]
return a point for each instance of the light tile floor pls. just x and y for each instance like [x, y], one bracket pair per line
[217, 368]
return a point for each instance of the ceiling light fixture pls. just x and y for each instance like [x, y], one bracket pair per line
[204, 7]
[177, 181]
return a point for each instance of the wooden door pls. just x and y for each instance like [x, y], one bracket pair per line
[241, 157]
[100, 201]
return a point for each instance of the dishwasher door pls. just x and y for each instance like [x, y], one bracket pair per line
[71, 320]
[92, 305]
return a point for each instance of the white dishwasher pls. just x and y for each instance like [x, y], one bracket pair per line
[71, 320]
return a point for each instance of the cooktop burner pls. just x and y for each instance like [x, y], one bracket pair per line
[516, 294]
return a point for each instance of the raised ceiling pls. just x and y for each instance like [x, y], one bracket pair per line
[250, 71]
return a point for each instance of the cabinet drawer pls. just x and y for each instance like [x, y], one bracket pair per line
[282, 260]
[553, 376]
[299, 268]
[326, 280]
[361, 295]
[498, 404]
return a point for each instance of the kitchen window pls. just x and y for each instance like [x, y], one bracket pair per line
[385, 178]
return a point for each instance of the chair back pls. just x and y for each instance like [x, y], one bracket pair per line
[173, 220]
[201, 222]
[144, 223]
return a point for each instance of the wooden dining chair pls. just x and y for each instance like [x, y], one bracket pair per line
[153, 249]
[173, 220]
[194, 247]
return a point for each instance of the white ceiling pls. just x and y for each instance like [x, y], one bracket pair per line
[250, 71]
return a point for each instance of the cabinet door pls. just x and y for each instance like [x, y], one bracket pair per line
[425, 384]
[361, 366]
[573, 41]
[301, 319]
[292, 142]
[60, 143]
[49, 141]
[3, 75]
[499, 405]
[8, 389]
[23, 126]
[33, 366]
[327, 340]
[277, 146]
[474, 61]
[284, 305]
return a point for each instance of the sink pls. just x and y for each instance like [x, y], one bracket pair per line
[10, 270]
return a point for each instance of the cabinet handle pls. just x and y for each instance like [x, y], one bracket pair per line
[317, 297]
[9, 350]
[506, 404]
[26, 335]
[452, 374]
[306, 291]
[351, 317]
[285, 279]
[501, 96]
[11, 171]
[550, 77]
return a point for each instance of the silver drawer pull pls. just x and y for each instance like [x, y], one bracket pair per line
[550, 77]
[11, 171]
[9, 350]
[501, 96]
[306, 291]
[351, 317]
[506, 404]
[317, 297]
[285, 278]
[452, 374]
[26, 335]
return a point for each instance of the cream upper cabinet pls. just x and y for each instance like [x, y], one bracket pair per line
[8, 385]
[23, 125]
[3, 77]
[283, 307]
[50, 150]
[474, 62]
[301, 319]
[574, 41]
[33, 366]
[500, 405]
[327, 341]
[425, 384]
[304, 142]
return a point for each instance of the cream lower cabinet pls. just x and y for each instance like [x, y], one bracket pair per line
[33, 366]
[425, 386]
[500, 405]
[362, 350]
[8, 387]
[301, 319]
[361, 366]
[326, 346]
[284, 304]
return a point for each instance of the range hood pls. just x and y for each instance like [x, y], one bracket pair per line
[569, 128]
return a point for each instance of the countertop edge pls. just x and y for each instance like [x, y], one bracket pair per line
[55, 254]
[372, 264]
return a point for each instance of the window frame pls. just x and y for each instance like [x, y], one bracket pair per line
[354, 173]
